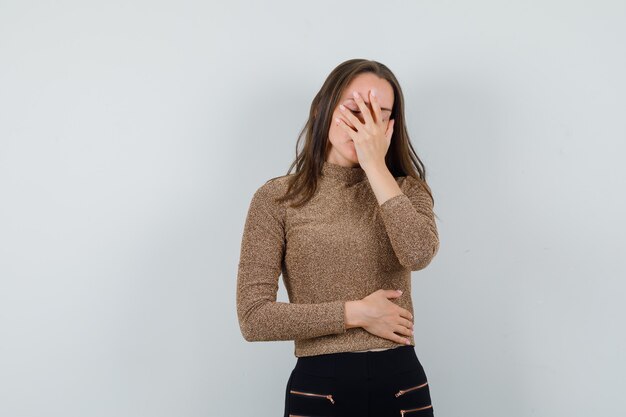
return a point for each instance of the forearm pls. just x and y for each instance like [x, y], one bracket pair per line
[271, 320]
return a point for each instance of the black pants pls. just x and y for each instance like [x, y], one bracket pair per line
[359, 384]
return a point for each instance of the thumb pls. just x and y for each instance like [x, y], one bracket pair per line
[393, 293]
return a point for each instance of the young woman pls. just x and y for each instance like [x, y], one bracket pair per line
[345, 230]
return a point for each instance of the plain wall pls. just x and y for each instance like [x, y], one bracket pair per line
[133, 135]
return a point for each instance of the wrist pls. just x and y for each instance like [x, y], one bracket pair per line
[353, 314]
[376, 167]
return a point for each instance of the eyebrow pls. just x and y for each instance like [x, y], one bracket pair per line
[367, 102]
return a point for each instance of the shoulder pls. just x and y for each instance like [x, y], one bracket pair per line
[266, 194]
[413, 183]
[274, 187]
[413, 186]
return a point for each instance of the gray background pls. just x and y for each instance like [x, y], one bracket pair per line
[133, 134]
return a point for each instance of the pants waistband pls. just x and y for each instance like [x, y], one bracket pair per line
[360, 364]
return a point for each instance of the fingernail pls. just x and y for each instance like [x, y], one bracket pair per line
[400, 291]
[373, 93]
[408, 342]
[355, 94]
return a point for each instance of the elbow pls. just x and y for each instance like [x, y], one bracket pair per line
[421, 257]
[248, 331]
[248, 335]
[418, 264]
[257, 324]
[255, 327]
[248, 325]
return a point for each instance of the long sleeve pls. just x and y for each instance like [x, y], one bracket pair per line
[261, 317]
[410, 225]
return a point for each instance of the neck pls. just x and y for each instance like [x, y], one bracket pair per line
[343, 173]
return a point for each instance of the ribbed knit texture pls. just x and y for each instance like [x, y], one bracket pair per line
[342, 245]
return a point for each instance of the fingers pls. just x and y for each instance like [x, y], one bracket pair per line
[348, 115]
[398, 339]
[367, 115]
[391, 293]
[406, 323]
[405, 313]
[347, 128]
[405, 331]
[375, 105]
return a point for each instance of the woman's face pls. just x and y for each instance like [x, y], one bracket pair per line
[342, 149]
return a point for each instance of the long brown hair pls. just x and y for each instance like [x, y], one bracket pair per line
[401, 158]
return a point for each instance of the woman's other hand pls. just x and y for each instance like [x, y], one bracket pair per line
[381, 317]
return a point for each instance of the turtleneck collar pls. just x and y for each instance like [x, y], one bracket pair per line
[346, 174]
